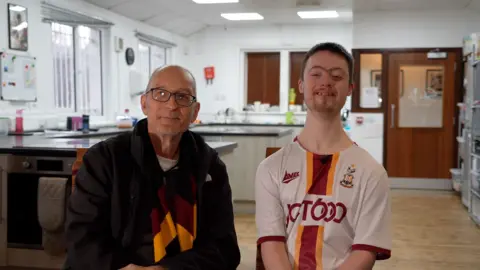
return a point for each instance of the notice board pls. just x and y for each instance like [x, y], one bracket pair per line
[18, 77]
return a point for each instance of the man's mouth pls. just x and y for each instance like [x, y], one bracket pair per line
[325, 93]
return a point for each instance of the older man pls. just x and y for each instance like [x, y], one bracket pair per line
[157, 197]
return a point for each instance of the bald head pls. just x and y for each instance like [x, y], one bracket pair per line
[166, 75]
[170, 102]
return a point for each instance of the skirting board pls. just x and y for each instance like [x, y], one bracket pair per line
[421, 183]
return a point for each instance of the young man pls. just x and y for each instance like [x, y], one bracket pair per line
[157, 197]
[322, 202]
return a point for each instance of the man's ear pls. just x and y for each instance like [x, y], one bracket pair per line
[195, 111]
[143, 103]
[300, 86]
[350, 89]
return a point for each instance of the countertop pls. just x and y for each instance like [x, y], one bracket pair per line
[202, 129]
[66, 147]
[249, 124]
[242, 131]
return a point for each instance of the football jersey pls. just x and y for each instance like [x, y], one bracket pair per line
[323, 207]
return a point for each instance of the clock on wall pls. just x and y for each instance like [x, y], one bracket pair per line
[129, 56]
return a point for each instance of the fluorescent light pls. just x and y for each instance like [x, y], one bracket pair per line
[17, 8]
[242, 16]
[21, 26]
[318, 14]
[214, 1]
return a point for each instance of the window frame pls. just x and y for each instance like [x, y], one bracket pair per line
[102, 69]
[355, 98]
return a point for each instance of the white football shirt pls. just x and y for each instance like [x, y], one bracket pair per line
[323, 207]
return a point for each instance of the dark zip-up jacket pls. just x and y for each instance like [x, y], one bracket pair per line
[102, 210]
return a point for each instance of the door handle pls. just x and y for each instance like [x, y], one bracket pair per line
[392, 116]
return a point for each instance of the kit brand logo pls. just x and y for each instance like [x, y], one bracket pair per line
[288, 177]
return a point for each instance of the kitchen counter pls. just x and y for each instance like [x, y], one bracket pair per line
[242, 124]
[47, 146]
[202, 129]
[241, 131]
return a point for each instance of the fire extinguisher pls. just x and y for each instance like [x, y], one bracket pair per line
[209, 74]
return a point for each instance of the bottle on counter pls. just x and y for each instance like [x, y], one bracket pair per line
[19, 121]
[85, 122]
[125, 120]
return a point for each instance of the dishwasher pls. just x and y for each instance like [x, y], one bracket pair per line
[19, 182]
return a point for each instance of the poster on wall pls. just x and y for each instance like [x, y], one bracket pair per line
[17, 28]
[434, 83]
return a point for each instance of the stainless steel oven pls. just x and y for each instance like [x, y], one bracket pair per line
[19, 207]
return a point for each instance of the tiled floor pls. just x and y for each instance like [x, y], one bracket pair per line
[431, 231]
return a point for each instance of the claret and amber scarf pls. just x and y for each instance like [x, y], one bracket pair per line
[174, 212]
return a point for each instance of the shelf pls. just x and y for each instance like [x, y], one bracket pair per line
[475, 155]
[475, 219]
[476, 193]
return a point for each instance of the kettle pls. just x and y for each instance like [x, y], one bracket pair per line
[344, 115]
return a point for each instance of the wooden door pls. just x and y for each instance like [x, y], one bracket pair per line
[420, 116]
[263, 77]
[296, 59]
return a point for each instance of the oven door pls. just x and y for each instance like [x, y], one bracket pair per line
[24, 233]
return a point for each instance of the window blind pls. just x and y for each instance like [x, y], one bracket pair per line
[152, 40]
[52, 13]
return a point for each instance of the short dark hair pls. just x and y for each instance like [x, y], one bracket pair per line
[333, 48]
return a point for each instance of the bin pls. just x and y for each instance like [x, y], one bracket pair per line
[456, 178]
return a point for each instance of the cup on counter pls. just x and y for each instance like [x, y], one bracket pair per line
[257, 106]
[4, 126]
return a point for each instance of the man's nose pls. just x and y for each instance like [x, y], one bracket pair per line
[171, 103]
[325, 80]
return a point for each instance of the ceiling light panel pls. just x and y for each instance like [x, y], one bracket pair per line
[242, 16]
[215, 1]
[325, 14]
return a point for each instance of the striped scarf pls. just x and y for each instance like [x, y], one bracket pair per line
[174, 217]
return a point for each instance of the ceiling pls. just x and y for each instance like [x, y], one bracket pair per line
[184, 17]
[390, 5]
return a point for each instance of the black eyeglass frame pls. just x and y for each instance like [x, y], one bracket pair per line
[170, 94]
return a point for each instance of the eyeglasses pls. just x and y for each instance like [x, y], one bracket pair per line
[182, 99]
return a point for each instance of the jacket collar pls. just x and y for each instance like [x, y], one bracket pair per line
[193, 150]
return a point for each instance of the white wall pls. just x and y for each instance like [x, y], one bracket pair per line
[116, 91]
[224, 48]
[413, 29]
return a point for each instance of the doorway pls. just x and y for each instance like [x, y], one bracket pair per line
[420, 125]
[417, 96]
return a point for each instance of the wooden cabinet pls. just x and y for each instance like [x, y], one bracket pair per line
[263, 77]
[296, 59]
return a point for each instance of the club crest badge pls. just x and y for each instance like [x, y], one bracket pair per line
[347, 180]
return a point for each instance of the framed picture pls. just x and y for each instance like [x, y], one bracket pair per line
[376, 78]
[434, 82]
[17, 27]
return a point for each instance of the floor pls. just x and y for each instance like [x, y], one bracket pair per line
[431, 231]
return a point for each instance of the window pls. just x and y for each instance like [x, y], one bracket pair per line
[263, 78]
[77, 67]
[296, 60]
[368, 95]
[151, 57]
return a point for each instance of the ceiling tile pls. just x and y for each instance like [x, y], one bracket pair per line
[139, 9]
[107, 3]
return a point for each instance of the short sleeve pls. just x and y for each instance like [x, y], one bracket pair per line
[373, 230]
[269, 215]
